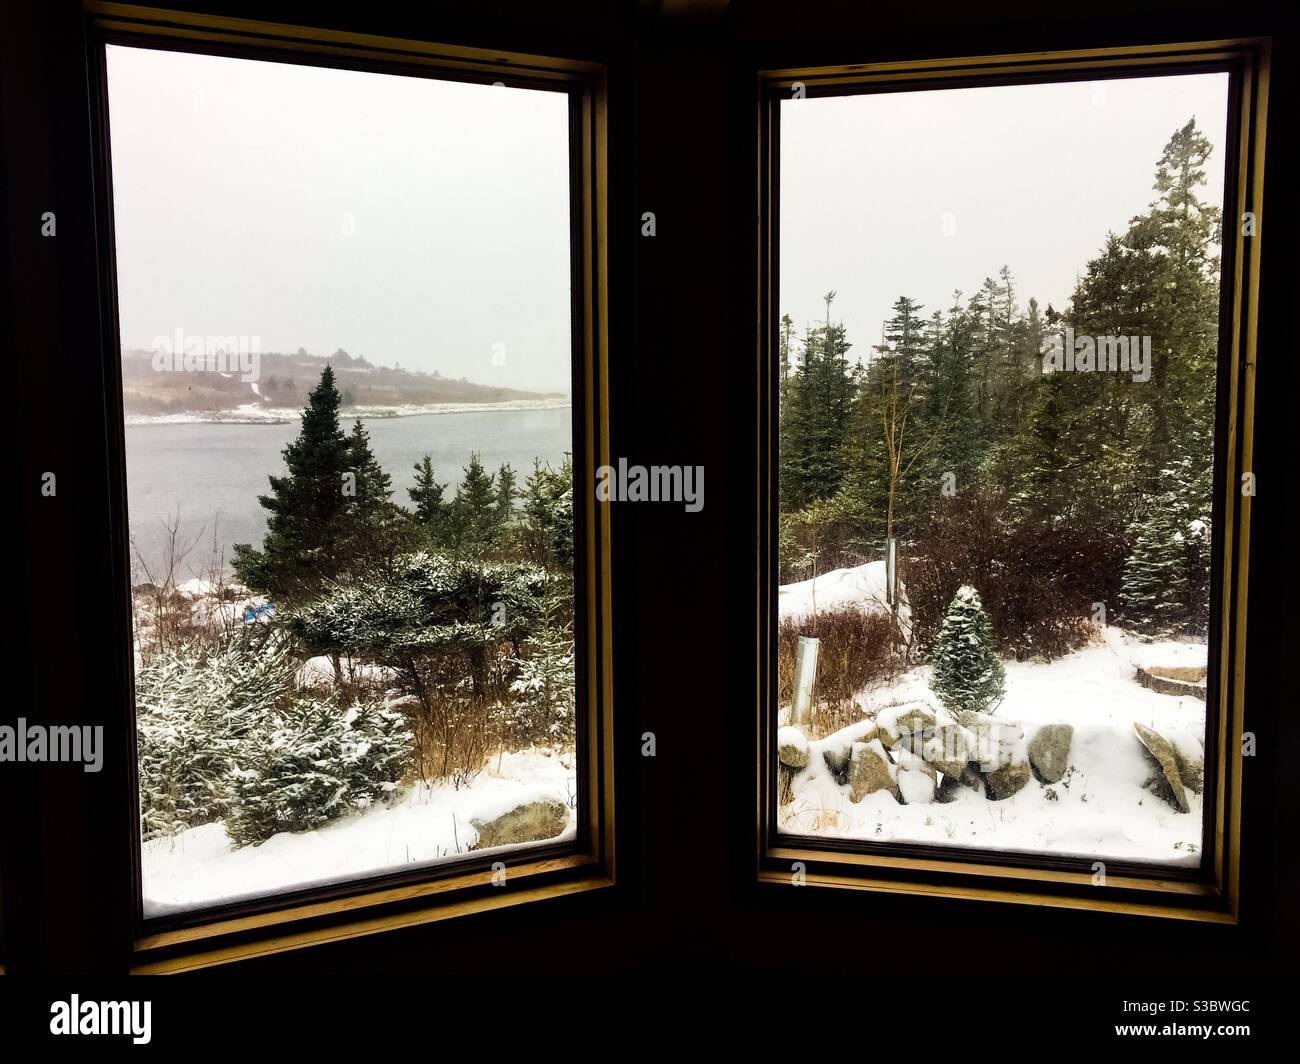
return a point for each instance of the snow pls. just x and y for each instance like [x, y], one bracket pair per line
[793, 738]
[425, 825]
[319, 672]
[1100, 809]
[861, 585]
[257, 414]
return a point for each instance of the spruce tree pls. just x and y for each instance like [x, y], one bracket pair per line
[1155, 593]
[301, 548]
[431, 509]
[374, 523]
[475, 506]
[506, 481]
[966, 670]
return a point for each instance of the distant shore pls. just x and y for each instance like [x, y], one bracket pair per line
[255, 415]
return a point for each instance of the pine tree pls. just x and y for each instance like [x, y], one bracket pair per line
[967, 672]
[506, 493]
[301, 548]
[1155, 593]
[475, 506]
[431, 509]
[374, 523]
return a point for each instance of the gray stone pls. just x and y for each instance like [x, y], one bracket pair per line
[792, 747]
[1166, 781]
[1005, 781]
[870, 770]
[528, 822]
[1049, 751]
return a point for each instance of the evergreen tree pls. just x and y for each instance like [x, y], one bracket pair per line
[1154, 596]
[475, 506]
[967, 672]
[506, 493]
[431, 509]
[374, 523]
[305, 508]
[819, 398]
[543, 710]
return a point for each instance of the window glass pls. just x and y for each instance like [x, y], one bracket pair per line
[344, 303]
[998, 349]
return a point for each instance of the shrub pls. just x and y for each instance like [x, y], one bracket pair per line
[967, 672]
[307, 763]
[855, 651]
[1037, 581]
[195, 706]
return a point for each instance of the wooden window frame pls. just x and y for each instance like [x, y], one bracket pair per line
[1210, 893]
[372, 904]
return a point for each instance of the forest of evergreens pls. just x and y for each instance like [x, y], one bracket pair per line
[1053, 491]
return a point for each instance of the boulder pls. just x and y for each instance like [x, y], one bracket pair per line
[1173, 679]
[837, 748]
[1005, 781]
[951, 786]
[1190, 757]
[533, 821]
[792, 747]
[904, 723]
[1166, 780]
[1049, 751]
[870, 770]
[915, 778]
[948, 746]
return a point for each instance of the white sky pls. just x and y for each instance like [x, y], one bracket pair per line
[1034, 175]
[233, 180]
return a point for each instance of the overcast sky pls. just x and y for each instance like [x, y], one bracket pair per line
[1031, 176]
[235, 182]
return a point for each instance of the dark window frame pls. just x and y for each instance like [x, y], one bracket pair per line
[374, 903]
[1209, 893]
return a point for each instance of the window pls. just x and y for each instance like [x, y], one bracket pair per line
[1007, 437]
[357, 302]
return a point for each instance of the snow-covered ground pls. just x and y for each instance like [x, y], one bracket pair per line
[1099, 809]
[200, 867]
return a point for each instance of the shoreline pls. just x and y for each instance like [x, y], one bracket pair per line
[290, 415]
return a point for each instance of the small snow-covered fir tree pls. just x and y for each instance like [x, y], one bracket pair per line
[542, 709]
[966, 671]
[195, 706]
[1155, 594]
[309, 763]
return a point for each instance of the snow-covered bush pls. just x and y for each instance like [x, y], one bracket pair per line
[541, 710]
[966, 671]
[308, 763]
[195, 706]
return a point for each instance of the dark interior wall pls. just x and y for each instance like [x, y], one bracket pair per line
[683, 390]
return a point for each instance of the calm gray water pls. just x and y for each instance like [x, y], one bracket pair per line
[213, 473]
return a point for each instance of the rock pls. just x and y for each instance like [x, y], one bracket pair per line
[792, 747]
[906, 723]
[1174, 679]
[915, 778]
[837, 748]
[969, 778]
[1167, 781]
[948, 746]
[1005, 781]
[870, 770]
[1049, 751]
[1191, 766]
[528, 822]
